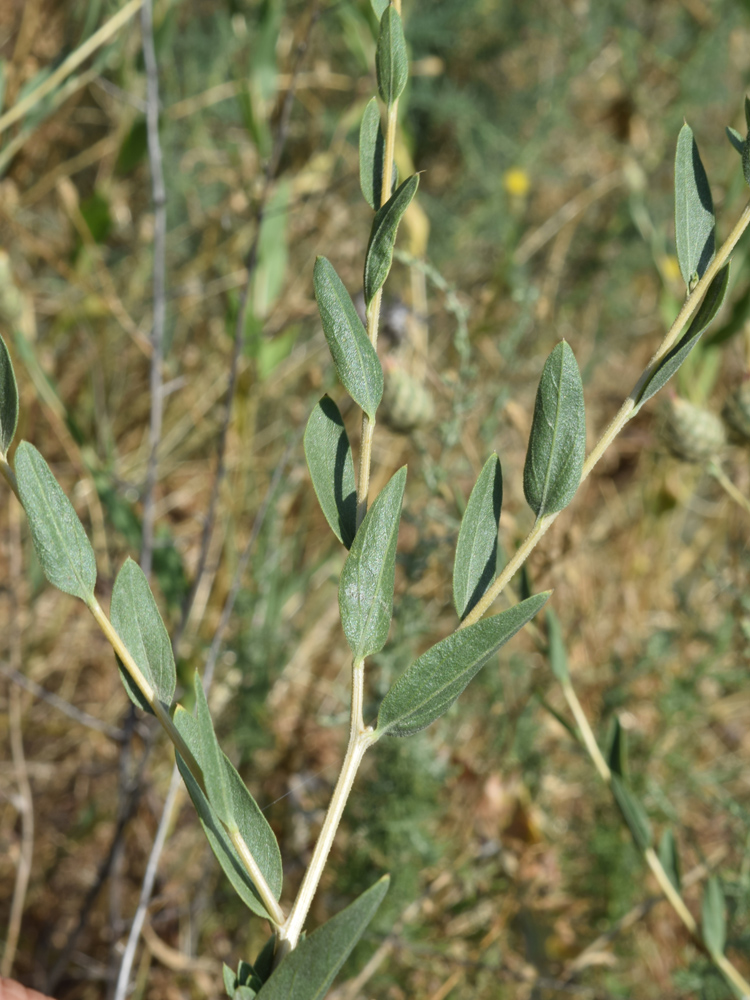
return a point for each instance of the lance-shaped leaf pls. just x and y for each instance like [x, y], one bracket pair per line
[713, 917]
[476, 550]
[308, 971]
[379, 7]
[137, 621]
[212, 760]
[329, 459]
[250, 821]
[694, 210]
[557, 444]
[8, 399]
[391, 60]
[61, 544]
[670, 363]
[367, 579]
[670, 858]
[428, 688]
[558, 657]
[371, 155]
[746, 144]
[356, 362]
[617, 756]
[632, 812]
[383, 236]
[736, 139]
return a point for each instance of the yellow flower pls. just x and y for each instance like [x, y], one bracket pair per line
[516, 182]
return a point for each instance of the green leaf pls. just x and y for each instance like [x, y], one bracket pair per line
[8, 399]
[383, 236]
[391, 60]
[694, 210]
[476, 550]
[379, 6]
[428, 687]
[558, 657]
[329, 459]
[137, 621]
[736, 139]
[747, 111]
[367, 579]
[669, 364]
[251, 822]
[617, 757]
[216, 778]
[308, 971]
[557, 444]
[371, 155]
[356, 362]
[632, 812]
[670, 858]
[713, 917]
[61, 544]
[746, 159]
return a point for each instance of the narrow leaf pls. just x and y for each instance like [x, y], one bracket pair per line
[736, 139]
[329, 459]
[476, 550]
[670, 858]
[251, 822]
[356, 362]
[371, 155]
[558, 657]
[632, 812]
[428, 687]
[383, 236]
[694, 210]
[215, 775]
[8, 399]
[670, 363]
[308, 971]
[379, 6]
[137, 621]
[747, 111]
[391, 60]
[61, 544]
[713, 917]
[617, 757]
[746, 159]
[557, 444]
[367, 579]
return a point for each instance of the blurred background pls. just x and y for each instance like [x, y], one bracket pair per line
[544, 133]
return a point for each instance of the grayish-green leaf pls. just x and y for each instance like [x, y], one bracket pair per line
[251, 822]
[476, 550]
[558, 657]
[383, 236]
[669, 857]
[747, 111]
[367, 579]
[736, 139]
[713, 917]
[329, 459]
[356, 362]
[557, 444]
[632, 812]
[428, 687]
[8, 399]
[308, 971]
[379, 6]
[746, 159]
[137, 621]
[617, 757]
[216, 778]
[694, 210]
[391, 60]
[61, 544]
[371, 153]
[669, 364]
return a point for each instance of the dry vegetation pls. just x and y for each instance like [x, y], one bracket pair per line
[546, 134]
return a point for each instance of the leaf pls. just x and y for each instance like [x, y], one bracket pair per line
[215, 775]
[669, 364]
[632, 812]
[61, 544]
[391, 60]
[428, 687]
[617, 758]
[367, 579]
[694, 210]
[670, 858]
[557, 444]
[746, 159]
[137, 621]
[356, 362]
[371, 155]
[251, 822]
[736, 139]
[383, 236]
[379, 6]
[329, 459]
[308, 971]
[558, 657]
[476, 549]
[8, 399]
[713, 917]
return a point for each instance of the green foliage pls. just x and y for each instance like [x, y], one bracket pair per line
[371, 155]
[713, 917]
[329, 459]
[558, 657]
[8, 400]
[670, 857]
[695, 224]
[476, 549]
[632, 812]
[391, 60]
[383, 235]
